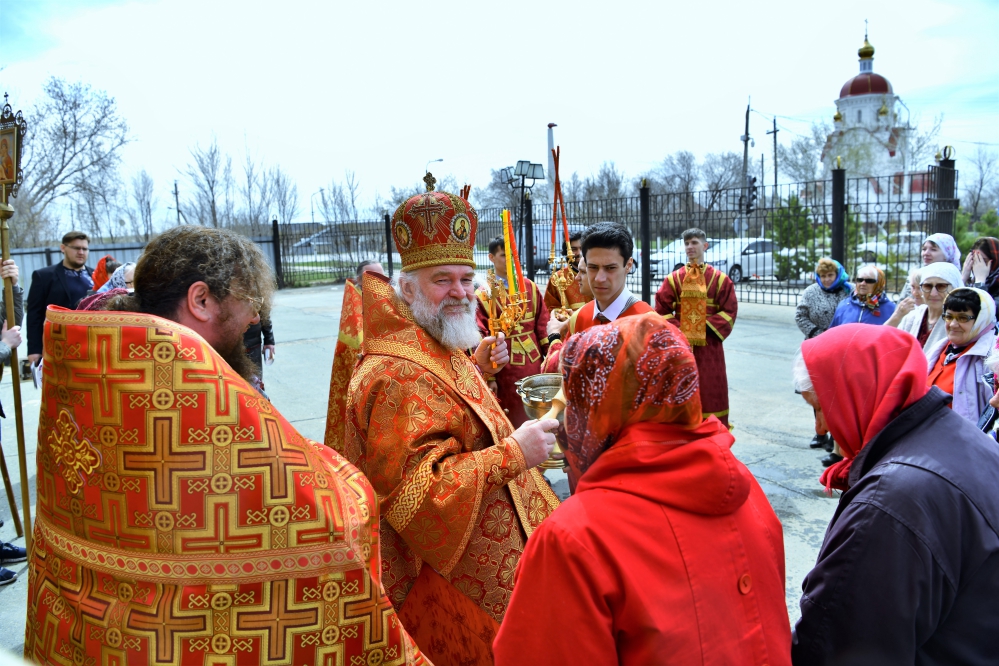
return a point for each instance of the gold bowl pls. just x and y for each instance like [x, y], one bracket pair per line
[537, 392]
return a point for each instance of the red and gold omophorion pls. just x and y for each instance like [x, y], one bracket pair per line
[457, 500]
[348, 348]
[182, 520]
[528, 347]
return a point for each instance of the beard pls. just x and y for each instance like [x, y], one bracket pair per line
[453, 331]
[233, 351]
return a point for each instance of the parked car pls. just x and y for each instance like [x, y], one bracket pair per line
[906, 247]
[673, 256]
[742, 258]
[667, 259]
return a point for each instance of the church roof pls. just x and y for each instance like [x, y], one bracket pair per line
[867, 83]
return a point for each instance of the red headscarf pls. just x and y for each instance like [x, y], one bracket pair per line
[100, 275]
[864, 376]
[636, 369]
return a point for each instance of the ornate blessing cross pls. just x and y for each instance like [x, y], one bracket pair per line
[430, 181]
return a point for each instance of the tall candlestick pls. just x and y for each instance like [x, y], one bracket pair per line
[507, 251]
[521, 287]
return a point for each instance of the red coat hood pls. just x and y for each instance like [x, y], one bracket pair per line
[691, 470]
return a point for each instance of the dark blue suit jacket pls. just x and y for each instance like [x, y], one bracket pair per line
[48, 287]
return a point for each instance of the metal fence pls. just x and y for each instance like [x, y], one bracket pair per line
[769, 252]
[31, 259]
[320, 252]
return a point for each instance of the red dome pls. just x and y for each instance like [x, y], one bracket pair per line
[865, 84]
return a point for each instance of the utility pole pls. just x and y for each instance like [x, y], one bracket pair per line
[745, 150]
[774, 132]
[176, 201]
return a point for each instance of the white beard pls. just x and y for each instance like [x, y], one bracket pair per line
[452, 331]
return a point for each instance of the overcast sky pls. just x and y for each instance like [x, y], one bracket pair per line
[383, 87]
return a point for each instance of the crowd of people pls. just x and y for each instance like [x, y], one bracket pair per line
[948, 309]
[182, 519]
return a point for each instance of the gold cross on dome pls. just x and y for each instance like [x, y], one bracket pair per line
[430, 181]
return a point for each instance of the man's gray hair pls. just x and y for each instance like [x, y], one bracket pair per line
[400, 279]
[799, 374]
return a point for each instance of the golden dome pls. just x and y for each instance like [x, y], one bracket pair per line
[866, 52]
[838, 118]
[883, 111]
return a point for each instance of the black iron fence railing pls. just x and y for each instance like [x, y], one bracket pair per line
[767, 239]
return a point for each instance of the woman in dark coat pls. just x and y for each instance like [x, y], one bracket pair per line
[908, 572]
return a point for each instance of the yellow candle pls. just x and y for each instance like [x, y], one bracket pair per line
[507, 231]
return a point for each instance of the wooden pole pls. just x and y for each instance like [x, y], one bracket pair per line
[6, 212]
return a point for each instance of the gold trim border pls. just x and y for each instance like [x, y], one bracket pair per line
[201, 569]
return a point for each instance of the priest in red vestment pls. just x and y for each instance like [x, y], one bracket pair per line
[460, 495]
[528, 341]
[575, 296]
[181, 519]
[348, 350]
[701, 299]
[668, 552]
[607, 250]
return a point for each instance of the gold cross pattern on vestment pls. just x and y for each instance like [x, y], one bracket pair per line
[693, 317]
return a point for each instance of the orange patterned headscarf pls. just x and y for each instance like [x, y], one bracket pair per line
[636, 369]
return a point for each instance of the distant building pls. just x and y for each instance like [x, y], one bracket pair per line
[867, 132]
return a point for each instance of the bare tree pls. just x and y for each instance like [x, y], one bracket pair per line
[75, 137]
[608, 183]
[979, 181]
[338, 201]
[919, 145]
[143, 201]
[496, 193]
[447, 183]
[285, 194]
[802, 160]
[99, 207]
[257, 195]
[210, 176]
[679, 172]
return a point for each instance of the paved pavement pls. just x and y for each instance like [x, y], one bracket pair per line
[773, 425]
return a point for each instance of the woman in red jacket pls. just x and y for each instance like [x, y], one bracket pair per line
[669, 552]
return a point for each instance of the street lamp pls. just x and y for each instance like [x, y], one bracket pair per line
[426, 169]
[312, 206]
[525, 170]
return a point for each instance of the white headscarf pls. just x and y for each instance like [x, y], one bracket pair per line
[946, 243]
[942, 270]
[985, 322]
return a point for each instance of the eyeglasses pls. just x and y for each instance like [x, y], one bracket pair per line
[256, 303]
[868, 280]
[959, 318]
[938, 287]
